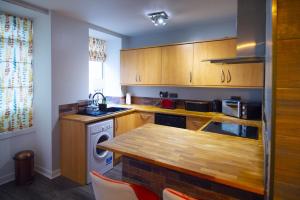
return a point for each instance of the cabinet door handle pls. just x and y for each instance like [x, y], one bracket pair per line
[136, 78]
[139, 78]
[191, 77]
[222, 76]
[228, 76]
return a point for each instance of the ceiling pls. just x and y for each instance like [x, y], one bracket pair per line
[128, 17]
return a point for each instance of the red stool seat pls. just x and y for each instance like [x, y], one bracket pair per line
[170, 194]
[109, 189]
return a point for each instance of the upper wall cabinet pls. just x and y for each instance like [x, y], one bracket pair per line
[218, 49]
[128, 71]
[177, 64]
[149, 66]
[206, 74]
[186, 65]
[141, 66]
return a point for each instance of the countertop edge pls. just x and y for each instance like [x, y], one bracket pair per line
[154, 109]
[244, 187]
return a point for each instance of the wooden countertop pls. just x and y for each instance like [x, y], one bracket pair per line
[155, 109]
[232, 161]
[90, 119]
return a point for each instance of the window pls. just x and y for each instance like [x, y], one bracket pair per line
[97, 58]
[16, 85]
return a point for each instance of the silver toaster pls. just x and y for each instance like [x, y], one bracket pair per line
[231, 107]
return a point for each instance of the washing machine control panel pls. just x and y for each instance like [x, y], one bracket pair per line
[97, 129]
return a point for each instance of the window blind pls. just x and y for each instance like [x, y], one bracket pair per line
[97, 49]
[16, 81]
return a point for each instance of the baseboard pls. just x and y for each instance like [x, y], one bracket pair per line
[48, 173]
[7, 178]
[56, 173]
[43, 171]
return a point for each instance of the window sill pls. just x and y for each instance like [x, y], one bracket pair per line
[10, 134]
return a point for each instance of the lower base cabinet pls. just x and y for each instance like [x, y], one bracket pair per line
[128, 122]
[195, 123]
[73, 146]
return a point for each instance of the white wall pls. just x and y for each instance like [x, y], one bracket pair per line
[70, 69]
[112, 63]
[70, 77]
[112, 68]
[39, 139]
[186, 34]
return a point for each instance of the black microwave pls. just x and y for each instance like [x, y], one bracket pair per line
[251, 110]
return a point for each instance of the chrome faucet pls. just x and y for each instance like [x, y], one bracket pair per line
[96, 101]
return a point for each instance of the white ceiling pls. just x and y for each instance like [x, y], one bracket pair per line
[127, 17]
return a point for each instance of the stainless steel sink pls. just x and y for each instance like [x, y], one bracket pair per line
[96, 112]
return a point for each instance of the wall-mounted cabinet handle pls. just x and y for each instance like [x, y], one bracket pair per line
[139, 78]
[228, 76]
[191, 77]
[136, 78]
[222, 76]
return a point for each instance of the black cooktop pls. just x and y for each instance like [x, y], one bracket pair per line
[232, 129]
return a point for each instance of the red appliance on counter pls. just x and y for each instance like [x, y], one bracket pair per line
[168, 103]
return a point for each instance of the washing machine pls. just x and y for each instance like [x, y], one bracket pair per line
[98, 159]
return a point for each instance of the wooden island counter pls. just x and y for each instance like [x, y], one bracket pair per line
[201, 164]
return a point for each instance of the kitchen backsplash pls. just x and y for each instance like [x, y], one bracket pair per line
[205, 94]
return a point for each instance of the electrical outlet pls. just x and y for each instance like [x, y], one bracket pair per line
[173, 95]
[163, 94]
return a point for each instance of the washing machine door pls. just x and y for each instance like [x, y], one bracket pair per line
[100, 153]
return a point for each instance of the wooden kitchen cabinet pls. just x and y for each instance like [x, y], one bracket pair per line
[223, 75]
[141, 66]
[149, 66]
[144, 118]
[177, 64]
[206, 73]
[218, 49]
[195, 123]
[131, 121]
[73, 150]
[128, 70]
[244, 75]
[125, 123]
[188, 65]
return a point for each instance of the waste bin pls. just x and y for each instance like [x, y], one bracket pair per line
[24, 165]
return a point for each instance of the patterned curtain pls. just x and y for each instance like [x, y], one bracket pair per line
[16, 85]
[97, 49]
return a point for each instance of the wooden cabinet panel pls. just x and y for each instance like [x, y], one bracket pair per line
[288, 58]
[218, 49]
[288, 22]
[149, 66]
[195, 123]
[216, 75]
[125, 123]
[144, 118]
[131, 121]
[208, 74]
[177, 63]
[128, 69]
[287, 140]
[73, 150]
[244, 75]
[184, 65]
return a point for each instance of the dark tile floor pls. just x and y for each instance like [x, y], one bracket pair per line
[56, 189]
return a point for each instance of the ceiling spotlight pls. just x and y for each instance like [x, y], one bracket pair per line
[158, 18]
